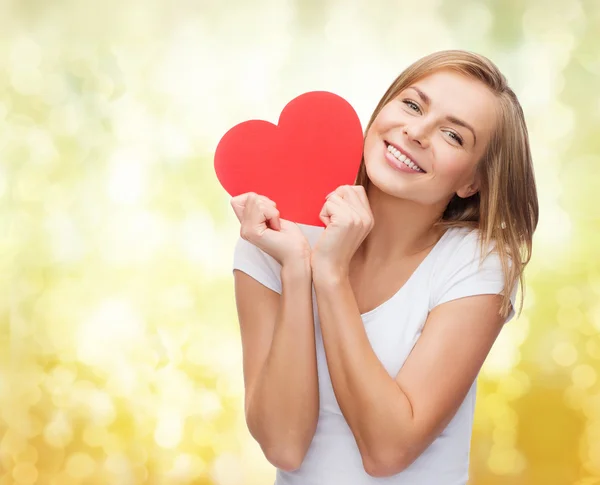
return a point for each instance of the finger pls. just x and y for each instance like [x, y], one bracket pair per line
[362, 195]
[260, 210]
[272, 218]
[262, 222]
[266, 199]
[238, 203]
[352, 197]
[341, 210]
[352, 205]
[325, 216]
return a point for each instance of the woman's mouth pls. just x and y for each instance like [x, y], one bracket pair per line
[402, 159]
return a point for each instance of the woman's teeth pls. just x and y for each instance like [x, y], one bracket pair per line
[403, 158]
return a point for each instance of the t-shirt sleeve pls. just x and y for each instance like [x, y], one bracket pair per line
[464, 276]
[257, 264]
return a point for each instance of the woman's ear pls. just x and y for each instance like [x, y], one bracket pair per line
[469, 189]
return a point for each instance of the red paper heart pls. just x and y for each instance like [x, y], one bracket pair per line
[316, 147]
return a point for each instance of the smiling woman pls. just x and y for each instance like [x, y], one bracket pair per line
[440, 104]
[374, 373]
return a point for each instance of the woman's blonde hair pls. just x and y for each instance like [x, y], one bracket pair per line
[505, 209]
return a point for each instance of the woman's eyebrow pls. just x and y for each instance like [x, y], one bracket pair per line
[427, 100]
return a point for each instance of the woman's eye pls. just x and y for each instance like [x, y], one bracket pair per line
[455, 137]
[415, 107]
[412, 105]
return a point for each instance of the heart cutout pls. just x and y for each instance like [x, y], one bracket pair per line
[316, 146]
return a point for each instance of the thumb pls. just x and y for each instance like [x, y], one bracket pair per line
[238, 204]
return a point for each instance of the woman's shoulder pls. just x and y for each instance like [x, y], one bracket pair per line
[462, 245]
[464, 238]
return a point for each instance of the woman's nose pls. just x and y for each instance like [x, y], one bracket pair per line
[417, 133]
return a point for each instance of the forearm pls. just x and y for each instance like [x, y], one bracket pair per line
[377, 411]
[283, 410]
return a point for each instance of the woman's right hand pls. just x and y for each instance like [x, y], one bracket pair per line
[261, 225]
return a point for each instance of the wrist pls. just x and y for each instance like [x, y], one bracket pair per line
[328, 274]
[296, 268]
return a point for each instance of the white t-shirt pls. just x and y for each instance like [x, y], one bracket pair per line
[449, 271]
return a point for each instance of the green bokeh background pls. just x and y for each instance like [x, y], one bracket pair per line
[120, 356]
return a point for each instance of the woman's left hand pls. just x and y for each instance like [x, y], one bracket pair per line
[348, 220]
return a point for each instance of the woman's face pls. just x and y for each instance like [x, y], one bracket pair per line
[442, 123]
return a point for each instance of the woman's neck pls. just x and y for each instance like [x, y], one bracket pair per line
[402, 228]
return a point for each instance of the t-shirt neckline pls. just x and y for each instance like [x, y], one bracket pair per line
[429, 255]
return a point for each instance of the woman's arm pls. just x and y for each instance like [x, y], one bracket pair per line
[394, 420]
[280, 369]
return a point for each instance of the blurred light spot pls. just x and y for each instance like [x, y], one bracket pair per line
[25, 56]
[80, 465]
[25, 52]
[178, 297]
[119, 464]
[111, 329]
[141, 474]
[564, 354]
[595, 316]
[505, 461]
[592, 433]
[569, 317]
[551, 240]
[499, 411]
[574, 397]
[593, 463]
[58, 432]
[134, 126]
[4, 110]
[94, 435]
[25, 473]
[2, 182]
[63, 478]
[124, 381]
[65, 240]
[593, 349]
[60, 376]
[31, 396]
[65, 119]
[29, 455]
[584, 376]
[26, 81]
[209, 404]
[476, 21]
[101, 406]
[569, 296]
[133, 237]
[226, 470]
[41, 146]
[187, 467]
[505, 355]
[128, 177]
[204, 434]
[257, 76]
[198, 239]
[168, 431]
[104, 85]
[54, 89]
[591, 407]
[175, 144]
[12, 442]
[514, 385]
[505, 437]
